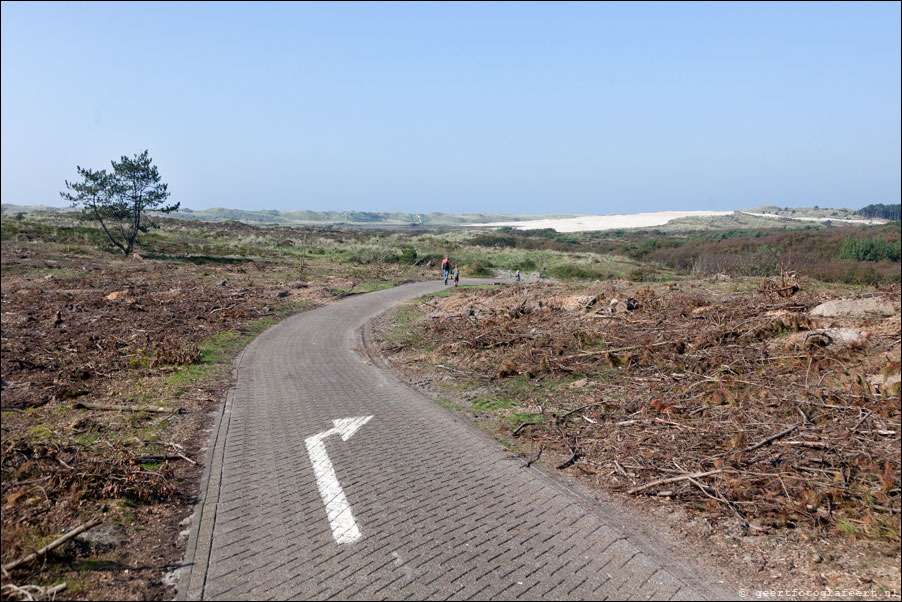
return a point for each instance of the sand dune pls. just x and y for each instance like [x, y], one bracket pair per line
[605, 222]
[586, 223]
[864, 222]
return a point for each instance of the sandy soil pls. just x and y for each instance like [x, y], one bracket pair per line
[863, 222]
[587, 223]
[605, 222]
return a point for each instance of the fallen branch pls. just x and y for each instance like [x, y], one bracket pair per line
[620, 469]
[52, 545]
[179, 449]
[536, 459]
[146, 459]
[186, 458]
[817, 444]
[716, 496]
[115, 408]
[684, 477]
[617, 350]
[860, 422]
[772, 438]
[213, 311]
[516, 432]
[574, 455]
[33, 592]
[588, 405]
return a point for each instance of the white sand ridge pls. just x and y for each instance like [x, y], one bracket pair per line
[587, 223]
[604, 222]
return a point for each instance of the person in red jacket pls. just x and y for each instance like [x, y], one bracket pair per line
[446, 268]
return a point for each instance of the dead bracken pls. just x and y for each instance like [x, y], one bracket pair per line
[105, 398]
[741, 406]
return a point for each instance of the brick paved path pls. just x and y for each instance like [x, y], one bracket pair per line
[442, 511]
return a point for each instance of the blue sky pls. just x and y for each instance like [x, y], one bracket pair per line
[516, 108]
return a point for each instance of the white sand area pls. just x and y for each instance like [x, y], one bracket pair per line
[586, 223]
[866, 222]
[589, 223]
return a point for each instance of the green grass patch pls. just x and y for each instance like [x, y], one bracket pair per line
[219, 350]
[511, 445]
[491, 404]
[367, 286]
[458, 384]
[40, 433]
[847, 528]
[447, 403]
[451, 290]
[521, 417]
[147, 434]
[517, 386]
[405, 331]
[87, 439]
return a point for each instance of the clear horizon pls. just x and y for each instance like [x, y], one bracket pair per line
[530, 109]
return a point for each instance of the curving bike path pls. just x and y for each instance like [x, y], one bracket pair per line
[327, 478]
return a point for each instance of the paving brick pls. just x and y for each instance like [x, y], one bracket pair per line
[444, 512]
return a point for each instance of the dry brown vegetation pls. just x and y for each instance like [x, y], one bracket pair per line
[722, 397]
[111, 368]
[84, 331]
[851, 255]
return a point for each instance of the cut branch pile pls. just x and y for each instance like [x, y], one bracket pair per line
[692, 397]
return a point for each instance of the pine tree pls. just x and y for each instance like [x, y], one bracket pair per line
[120, 200]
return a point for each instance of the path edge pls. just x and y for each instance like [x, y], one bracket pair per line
[640, 532]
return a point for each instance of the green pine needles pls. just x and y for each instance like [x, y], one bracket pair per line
[119, 200]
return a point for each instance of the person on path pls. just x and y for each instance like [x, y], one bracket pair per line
[446, 268]
[518, 276]
[456, 274]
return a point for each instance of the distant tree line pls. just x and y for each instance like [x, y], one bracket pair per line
[870, 249]
[881, 211]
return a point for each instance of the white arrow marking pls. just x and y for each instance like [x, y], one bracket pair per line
[344, 527]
